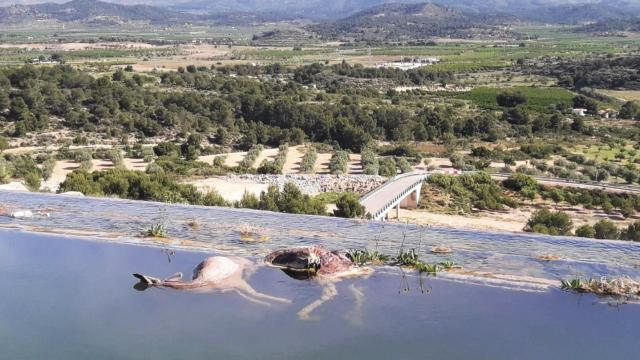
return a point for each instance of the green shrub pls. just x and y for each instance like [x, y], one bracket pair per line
[251, 156]
[213, 198]
[22, 165]
[519, 181]
[4, 143]
[276, 165]
[632, 232]
[605, 229]
[5, 171]
[308, 162]
[388, 167]
[348, 206]
[248, 201]
[339, 162]
[369, 161]
[551, 223]
[586, 231]
[47, 168]
[404, 165]
[85, 159]
[290, 200]
[472, 190]
[116, 158]
[510, 98]
[32, 180]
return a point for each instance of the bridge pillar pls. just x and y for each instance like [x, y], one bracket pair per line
[412, 200]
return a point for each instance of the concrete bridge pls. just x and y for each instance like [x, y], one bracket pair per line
[400, 191]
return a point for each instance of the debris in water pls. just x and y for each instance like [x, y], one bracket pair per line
[549, 257]
[441, 250]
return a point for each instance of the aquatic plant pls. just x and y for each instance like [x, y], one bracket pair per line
[156, 230]
[448, 265]
[407, 258]
[426, 268]
[620, 287]
[363, 257]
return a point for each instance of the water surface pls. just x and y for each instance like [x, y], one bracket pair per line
[66, 298]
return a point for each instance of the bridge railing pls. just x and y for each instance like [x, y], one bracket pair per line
[386, 207]
[391, 181]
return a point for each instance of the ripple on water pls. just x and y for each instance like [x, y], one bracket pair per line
[218, 229]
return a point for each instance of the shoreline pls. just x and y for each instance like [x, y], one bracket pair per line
[394, 222]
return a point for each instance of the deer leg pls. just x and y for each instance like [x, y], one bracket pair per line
[329, 291]
[253, 300]
[252, 292]
[355, 315]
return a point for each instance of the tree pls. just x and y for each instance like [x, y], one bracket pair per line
[586, 231]
[584, 102]
[518, 115]
[32, 180]
[47, 167]
[605, 229]
[551, 223]
[5, 171]
[529, 193]
[85, 159]
[213, 198]
[249, 201]
[116, 158]
[269, 199]
[191, 148]
[630, 110]
[632, 233]
[4, 144]
[222, 136]
[388, 167]
[511, 98]
[348, 206]
[166, 149]
[519, 181]
[577, 124]
[557, 196]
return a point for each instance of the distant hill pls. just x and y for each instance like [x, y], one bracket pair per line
[412, 21]
[612, 26]
[90, 11]
[459, 12]
[311, 9]
[552, 11]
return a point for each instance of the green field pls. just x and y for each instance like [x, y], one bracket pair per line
[539, 98]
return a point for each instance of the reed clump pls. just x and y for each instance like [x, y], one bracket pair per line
[364, 257]
[619, 287]
[156, 231]
[410, 258]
